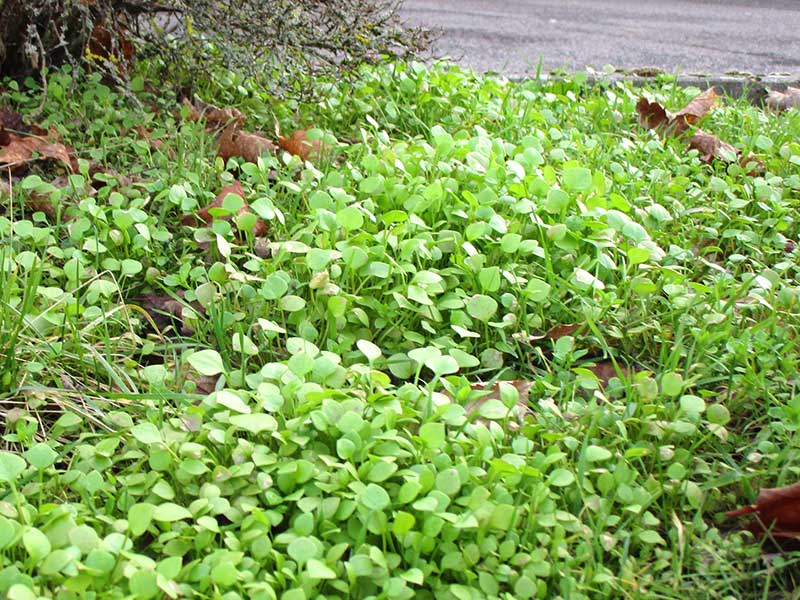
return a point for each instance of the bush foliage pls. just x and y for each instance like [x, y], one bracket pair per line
[276, 41]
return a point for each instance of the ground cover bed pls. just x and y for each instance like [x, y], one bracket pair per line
[239, 364]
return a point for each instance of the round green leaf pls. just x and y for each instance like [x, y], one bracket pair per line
[207, 362]
[368, 349]
[481, 307]
[11, 466]
[374, 497]
[303, 549]
[350, 218]
[561, 478]
[577, 179]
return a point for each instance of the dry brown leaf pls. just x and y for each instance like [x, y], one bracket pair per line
[693, 111]
[22, 149]
[249, 146]
[11, 119]
[481, 392]
[784, 100]
[654, 116]
[143, 133]
[777, 511]
[166, 310]
[300, 145]
[651, 114]
[204, 384]
[113, 45]
[204, 214]
[42, 202]
[213, 116]
[559, 331]
[605, 370]
[711, 147]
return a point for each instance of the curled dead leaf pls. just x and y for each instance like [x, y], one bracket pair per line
[166, 310]
[482, 392]
[711, 147]
[111, 42]
[11, 119]
[561, 330]
[214, 116]
[299, 145]
[205, 214]
[694, 110]
[651, 114]
[654, 116]
[777, 100]
[605, 370]
[777, 511]
[248, 146]
[22, 149]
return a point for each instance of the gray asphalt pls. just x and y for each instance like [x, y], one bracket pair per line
[685, 37]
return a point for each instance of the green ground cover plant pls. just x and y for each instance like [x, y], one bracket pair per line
[195, 410]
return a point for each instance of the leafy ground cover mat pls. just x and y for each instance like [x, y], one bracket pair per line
[435, 335]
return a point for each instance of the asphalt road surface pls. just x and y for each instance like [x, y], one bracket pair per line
[681, 36]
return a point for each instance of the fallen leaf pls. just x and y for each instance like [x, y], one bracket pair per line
[605, 370]
[22, 149]
[43, 202]
[482, 392]
[300, 145]
[143, 133]
[559, 331]
[711, 147]
[784, 100]
[213, 115]
[249, 146]
[777, 511]
[204, 214]
[654, 116]
[167, 310]
[693, 111]
[205, 384]
[113, 45]
[11, 119]
[651, 114]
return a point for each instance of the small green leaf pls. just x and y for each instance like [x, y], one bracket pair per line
[255, 423]
[433, 434]
[538, 290]
[597, 454]
[481, 307]
[232, 400]
[692, 404]
[671, 384]
[41, 456]
[146, 433]
[36, 543]
[368, 349]
[169, 511]
[319, 570]
[442, 365]
[577, 179]
[350, 218]
[207, 362]
[303, 549]
[493, 409]
[374, 497]
[11, 466]
[651, 537]
[561, 478]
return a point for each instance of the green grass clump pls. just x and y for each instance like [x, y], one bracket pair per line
[290, 430]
